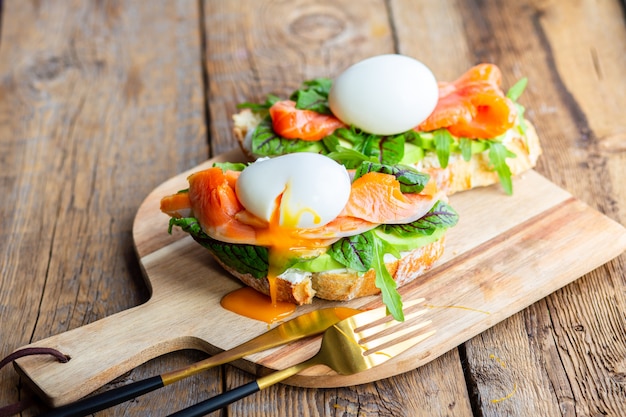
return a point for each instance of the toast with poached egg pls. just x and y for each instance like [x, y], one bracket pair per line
[466, 133]
[302, 225]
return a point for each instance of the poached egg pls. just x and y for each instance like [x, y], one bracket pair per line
[384, 94]
[306, 190]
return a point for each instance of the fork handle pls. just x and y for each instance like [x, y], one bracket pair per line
[229, 397]
[106, 399]
[219, 401]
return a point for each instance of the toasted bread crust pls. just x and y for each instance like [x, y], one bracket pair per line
[461, 175]
[296, 293]
[343, 285]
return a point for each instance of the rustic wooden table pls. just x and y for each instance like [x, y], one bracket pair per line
[101, 101]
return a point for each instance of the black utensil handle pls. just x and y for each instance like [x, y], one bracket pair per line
[106, 399]
[219, 401]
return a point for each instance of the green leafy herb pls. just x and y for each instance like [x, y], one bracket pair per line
[497, 156]
[411, 180]
[518, 88]
[465, 145]
[521, 121]
[265, 142]
[514, 94]
[384, 149]
[256, 107]
[313, 96]
[364, 252]
[355, 252]
[440, 216]
[384, 280]
[348, 157]
[247, 259]
[443, 141]
[391, 149]
[230, 166]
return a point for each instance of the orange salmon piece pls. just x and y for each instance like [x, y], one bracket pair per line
[292, 123]
[232, 177]
[376, 198]
[481, 72]
[341, 226]
[473, 106]
[176, 205]
[214, 203]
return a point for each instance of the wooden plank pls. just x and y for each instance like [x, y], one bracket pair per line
[540, 365]
[253, 49]
[421, 392]
[88, 115]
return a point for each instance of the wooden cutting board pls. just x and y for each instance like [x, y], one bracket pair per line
[506, 253]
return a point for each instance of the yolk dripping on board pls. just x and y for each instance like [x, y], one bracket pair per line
[282, 246]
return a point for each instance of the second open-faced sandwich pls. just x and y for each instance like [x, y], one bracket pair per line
[390, 109]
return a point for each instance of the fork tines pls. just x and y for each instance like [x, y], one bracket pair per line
[384, 335]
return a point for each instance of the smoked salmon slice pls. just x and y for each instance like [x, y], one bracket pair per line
[292, 123]
[176, 205]
[215, 204]
[473, 106]
[375, 199]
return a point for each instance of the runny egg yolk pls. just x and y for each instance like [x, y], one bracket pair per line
[282, 245]
[248, 302]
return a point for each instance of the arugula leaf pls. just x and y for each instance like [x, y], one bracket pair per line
[256, 107]
[366, 144]
[514, 94]
[265, 142]
[520, 118]
[348, 157]
[364, 252]
[465, 145]
[497, 156]
[384, 149]
[248, 259]
[411, 180]
[440, 216]
[230, 166]
[384, 280]
[443, 140]
[518, 88]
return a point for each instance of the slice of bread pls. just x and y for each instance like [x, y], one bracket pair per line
[459, 175]
[300, 287]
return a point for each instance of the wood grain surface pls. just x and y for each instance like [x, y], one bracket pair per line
[101, 101]
[550, 239]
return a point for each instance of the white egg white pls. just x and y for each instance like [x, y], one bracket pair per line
[309, 190]
[385, 94]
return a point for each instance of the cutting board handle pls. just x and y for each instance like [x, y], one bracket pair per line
[104, 350]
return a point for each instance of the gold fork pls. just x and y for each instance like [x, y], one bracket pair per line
[305, 325]
[355, 344]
